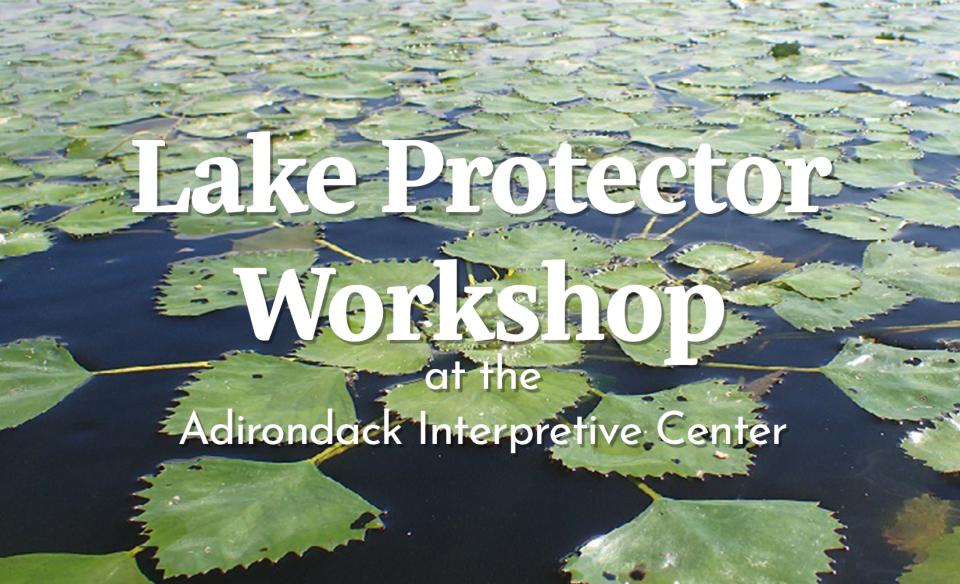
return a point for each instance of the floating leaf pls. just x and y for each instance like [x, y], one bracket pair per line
[18, 238]
[920, 522]
[937, 446]
[264, 390]
[398, 124]
[942, 563]
[533, 353]
[870, 299]
[927, 205]
[204, 284]
[98, 218]
[654, 351]
[378, 355]
[710, 403]
[490, 216]
[526, 247]
[35, 374]
[715, 257]
[279, 238]
[720, 542]
[895, 383]
[855, 222]
[640, 247]
[195, 510]
[115, 568]
[593, 118]
[919, 270]
[821, 281]
[875, 174]
[640, 274]
[556, 390]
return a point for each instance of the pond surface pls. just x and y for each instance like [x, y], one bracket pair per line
[453, 514]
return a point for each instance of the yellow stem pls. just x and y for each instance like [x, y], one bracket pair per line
[763, 367]
[648, 226]
[336, 248]
[680, 224]
[647, 490]
[157, 367]
[341, 447]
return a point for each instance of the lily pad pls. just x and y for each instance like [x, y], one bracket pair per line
[264, 390]
[18, 238]
[398, 124]
[195, 508]
[706, 402]
[640, 247]
[527, 247]
[894, 383]
[556, 391]
[490, 216]
[937, 446]
[654, 351]
[917, 269]
[870, 299]
[720, 542]
[875, 174]
[855, 222]
[200, 285]
[821, 281]
[98, 218]
[941, 565]
[35, 374]
[927, 205]
[115, 568]
[642, 274]
[377, 355]
[715, 257]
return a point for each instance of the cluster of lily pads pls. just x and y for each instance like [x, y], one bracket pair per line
[872, 88]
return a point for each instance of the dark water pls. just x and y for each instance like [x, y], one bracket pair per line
[466, 514]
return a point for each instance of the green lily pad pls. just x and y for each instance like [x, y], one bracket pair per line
[533, 353]
[115, 568]
[855, 222]
[937, 446]
[35, 374]
[640, 247]
[706, 402]
[720, 542]
[195, 508]
[490, 216]
[398, 124]
[18, 238]
[894, 383]
[655, 350]
[264, 390]
[593, 118]
[526, 247]
[556, 391]
[642, 274]
[919, 270]
[715, 257]
[875, 174]
[98, 218]
[821, 281]
[377, 355]
[941, 564]
[870, 299]
[927, 205]
[200, 285]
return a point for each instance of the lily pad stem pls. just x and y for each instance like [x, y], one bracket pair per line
[157, 367]
[647, 489]
[763, 367]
